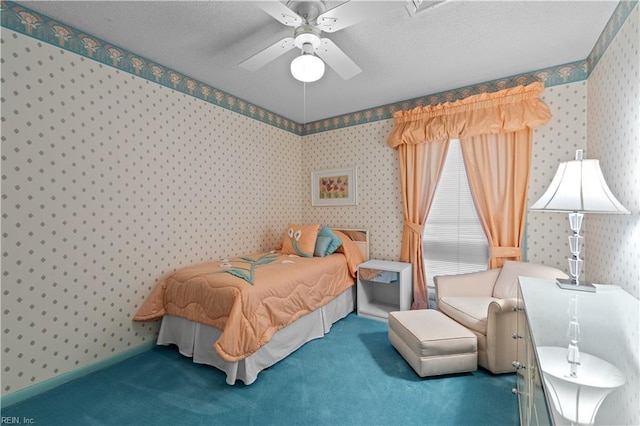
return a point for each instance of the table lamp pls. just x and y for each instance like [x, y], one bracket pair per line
[578, 187]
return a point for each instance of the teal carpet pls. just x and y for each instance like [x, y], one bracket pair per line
[352, 376]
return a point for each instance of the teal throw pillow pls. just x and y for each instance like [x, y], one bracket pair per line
[322, 244]
[335, 240]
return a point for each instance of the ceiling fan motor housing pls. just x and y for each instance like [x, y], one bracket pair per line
[307, 35]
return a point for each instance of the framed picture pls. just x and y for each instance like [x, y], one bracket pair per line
[335, 187]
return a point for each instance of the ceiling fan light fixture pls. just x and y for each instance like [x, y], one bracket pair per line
[307, 68]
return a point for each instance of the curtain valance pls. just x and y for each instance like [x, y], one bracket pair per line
[508, 110]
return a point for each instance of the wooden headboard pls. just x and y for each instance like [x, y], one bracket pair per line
[360, 237]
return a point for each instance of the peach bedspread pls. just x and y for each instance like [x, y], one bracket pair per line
[249, 314]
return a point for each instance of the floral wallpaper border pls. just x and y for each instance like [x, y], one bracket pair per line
[23, 20]
[554, 76]
[26, 21]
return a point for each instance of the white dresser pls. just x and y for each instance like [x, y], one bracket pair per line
[599, 332]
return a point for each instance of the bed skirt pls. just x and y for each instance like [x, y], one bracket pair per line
[196, 340]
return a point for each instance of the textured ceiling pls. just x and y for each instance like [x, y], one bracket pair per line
[456, 44]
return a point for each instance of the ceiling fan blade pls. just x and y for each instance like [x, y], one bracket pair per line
[267, 55]
[281, 12]
[351, 13]
[337, 59]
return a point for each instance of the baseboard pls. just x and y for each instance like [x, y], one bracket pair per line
[54, 382]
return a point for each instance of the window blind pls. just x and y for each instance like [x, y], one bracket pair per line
[453, 239]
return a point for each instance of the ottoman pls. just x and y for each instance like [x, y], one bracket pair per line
[432, 343]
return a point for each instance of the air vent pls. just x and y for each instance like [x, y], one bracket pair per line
[418, 6]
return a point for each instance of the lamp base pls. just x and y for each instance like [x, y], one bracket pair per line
[570, 284]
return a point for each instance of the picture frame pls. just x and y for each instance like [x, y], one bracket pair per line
[334, 187]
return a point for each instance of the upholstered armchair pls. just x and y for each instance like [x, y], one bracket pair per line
[483, 302]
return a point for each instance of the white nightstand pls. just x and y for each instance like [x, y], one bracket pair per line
[383, 287]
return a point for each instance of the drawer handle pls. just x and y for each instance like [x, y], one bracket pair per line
[517, 392]
[516, 336]
[517, 308]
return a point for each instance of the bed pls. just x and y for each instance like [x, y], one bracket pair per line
[244, 314]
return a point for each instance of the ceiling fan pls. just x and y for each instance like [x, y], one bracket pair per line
[309, 20]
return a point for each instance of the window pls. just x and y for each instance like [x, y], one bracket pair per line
[453, 239]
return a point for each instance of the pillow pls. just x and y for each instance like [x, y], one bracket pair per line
[334, 243]
[322, 244]
[300, 239]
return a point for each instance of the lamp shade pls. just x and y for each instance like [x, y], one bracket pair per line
[579, 186]
[307, 68]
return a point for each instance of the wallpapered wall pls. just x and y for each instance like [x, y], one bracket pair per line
[109, 182]
[613, 241]
[379, 206]
[553, 143]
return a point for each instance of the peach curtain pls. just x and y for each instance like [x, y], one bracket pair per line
[420, 169]
[498, 171]
[508, 111]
